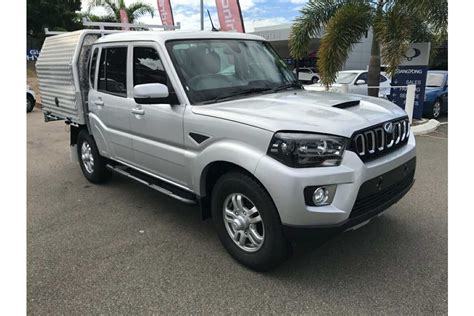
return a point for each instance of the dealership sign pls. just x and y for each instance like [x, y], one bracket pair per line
[166, 13]
[413, 70]
[124, 19]
[230, 16]
[32, 54]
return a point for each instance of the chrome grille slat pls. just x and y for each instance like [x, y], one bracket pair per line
[380, 139]
[390, 143]
[370, 149]
[361, 148]
[404, 127]
[397, 131]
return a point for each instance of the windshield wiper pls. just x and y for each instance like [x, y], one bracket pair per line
[242, 92]
[293, 84]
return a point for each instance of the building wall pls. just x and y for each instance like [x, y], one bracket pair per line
[359, 57]
[278, 35]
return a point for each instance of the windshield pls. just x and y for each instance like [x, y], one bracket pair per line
[434, 80]
[210, 70]
[345, 77]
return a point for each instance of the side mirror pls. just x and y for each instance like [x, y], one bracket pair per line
[150, 93]
[360, 81]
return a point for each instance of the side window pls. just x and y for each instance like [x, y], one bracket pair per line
[101, 77]
[148, 68]
[362, 76]
[113, 71]
[93, 67]
[382, 78]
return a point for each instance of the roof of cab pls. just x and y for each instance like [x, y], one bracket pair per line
[173, 35]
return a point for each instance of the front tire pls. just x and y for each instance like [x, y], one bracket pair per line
[93, 165]
[247, 222]
[314, 80]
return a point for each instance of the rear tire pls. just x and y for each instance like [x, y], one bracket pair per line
[93, 165]
[272, 247]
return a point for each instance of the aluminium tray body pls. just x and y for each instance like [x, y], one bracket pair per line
[62, 69]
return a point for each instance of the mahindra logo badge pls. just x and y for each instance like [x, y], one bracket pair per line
[388, 127]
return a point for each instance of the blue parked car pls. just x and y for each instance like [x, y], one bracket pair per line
[436, 94]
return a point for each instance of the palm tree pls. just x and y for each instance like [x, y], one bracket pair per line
[113, 7]
[342, 23]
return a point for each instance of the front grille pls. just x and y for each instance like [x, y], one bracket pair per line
[384, 190]
[381, 139]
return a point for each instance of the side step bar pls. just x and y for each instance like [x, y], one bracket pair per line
[154, 183]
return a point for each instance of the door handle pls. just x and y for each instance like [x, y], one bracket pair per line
[138, 111]
[99, 102]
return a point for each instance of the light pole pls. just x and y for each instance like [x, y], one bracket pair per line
[202, 15]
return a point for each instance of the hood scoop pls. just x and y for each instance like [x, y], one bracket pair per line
[347, 104]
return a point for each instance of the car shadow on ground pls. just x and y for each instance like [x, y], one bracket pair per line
[360, 252]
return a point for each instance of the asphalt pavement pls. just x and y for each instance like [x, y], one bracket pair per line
[122, 248]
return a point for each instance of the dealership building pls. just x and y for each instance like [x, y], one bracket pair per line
[278, 35]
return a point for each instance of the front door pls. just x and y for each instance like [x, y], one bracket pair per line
[157, 128]
[360, 88]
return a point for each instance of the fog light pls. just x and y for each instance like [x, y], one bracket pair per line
[320, 196]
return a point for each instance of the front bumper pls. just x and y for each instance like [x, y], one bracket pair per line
[367, 206]
[286, 186]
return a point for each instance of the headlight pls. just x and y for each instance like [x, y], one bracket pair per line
[300, 150]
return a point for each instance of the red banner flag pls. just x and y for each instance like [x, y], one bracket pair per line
[124, 18]
[166, 13]
[230, 16]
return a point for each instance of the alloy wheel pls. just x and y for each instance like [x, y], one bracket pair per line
[436, 109]
[87, 158]
[243, 222]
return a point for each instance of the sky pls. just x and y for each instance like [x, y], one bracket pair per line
[255, 12]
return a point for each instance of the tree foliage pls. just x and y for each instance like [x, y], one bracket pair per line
[395, 24]
[343, 30]
[134, 11]
[54, 14]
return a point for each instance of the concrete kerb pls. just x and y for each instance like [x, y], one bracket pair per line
[425, 126]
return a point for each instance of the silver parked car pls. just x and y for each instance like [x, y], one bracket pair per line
[307, 74]
[30, 99]
[218, 120]
[356, 81]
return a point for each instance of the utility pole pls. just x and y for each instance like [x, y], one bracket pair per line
[202, 15]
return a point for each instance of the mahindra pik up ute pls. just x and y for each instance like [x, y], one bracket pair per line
[218, 119]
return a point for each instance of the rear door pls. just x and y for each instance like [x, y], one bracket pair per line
[110, 103]
[304, 74]
[157, 129]
[385, 86]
